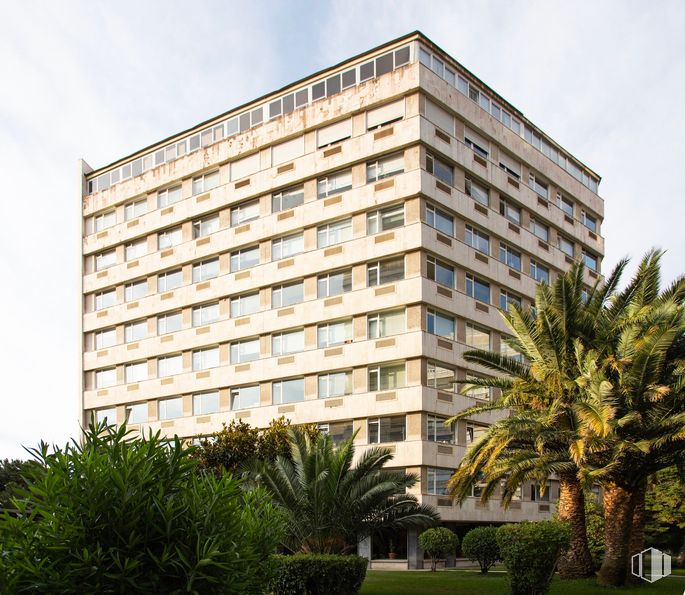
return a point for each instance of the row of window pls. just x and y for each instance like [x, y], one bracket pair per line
[254, 117]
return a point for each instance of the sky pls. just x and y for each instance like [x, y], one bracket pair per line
[98, 81]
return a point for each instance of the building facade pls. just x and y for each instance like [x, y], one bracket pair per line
[327, 253]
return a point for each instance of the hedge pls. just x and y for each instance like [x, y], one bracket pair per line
[317, 574]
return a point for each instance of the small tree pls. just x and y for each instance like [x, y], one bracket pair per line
[12, 474]
[531, 551]
[480, 545]
[437, 543]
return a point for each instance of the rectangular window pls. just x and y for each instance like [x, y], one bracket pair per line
[509, 165]
[287, 151]
[334, 133]
[437, 481]
[385, 324]
[437, 431]
[334, 333]
[105, 378]
[536, 494]
[335, 384]
[477, 239]
[135, 331]
[245, 212]
[588, 221]
[243, 305]
[104, 221]
[136, 372]
[287, 391]
[287, 295]
[245, 258]
[387, 271]
[509, 256]
[171, 408]
[245, 351]
[334, 233]
[440, 324]
[385, 219]
[510, 211]
[105, 338]
[477, 337]
[169, 238]
[477, 192]
[439, 117]
[539, 186]
[169, 365]
[245, 397]
[168, 196]
[169, 323]
[478, 143]
[478, 289]
[440, 272]
[206, 403]
[440, 169]
[136, 413]
[334, 283]
[108, 416]
[386, 377]
[205, 270]
[440, 220]
[334, 183]
[384, 167]
[287, 199]
[339, 431]
[205, 314]
[440, 377]
[203, 359]
[285, 343]
[206, 182]
[206, 226]
[169, 280]
[508, 351]
[287, 246]
[387, 429]
[565, 204]
[540, 230]
[386, 114]
[590, 261]
[136, 249]
[539, 272]
[478, 392]
[105, 260]
[474, 432]
[506, 299]
[135, 290]
[566, 246]
[135, 209]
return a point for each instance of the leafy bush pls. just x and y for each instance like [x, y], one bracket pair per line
[317, 574]
[116, 514]
[437, 543]
[594, 519]
[530, 551]
[11, 477]
[480, 545]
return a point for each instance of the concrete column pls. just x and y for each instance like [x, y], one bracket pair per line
[414, 552]
[364, 548]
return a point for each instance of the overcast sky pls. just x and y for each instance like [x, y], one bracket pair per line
[98, 80]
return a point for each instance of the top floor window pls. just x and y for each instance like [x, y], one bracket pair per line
[334, 183]
[440, 169]
[385, 167]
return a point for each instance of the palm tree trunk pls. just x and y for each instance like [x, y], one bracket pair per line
[577, 561]
[637, 530]
[618, 517]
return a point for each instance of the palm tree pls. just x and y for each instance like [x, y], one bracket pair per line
[549, 401]
[330, 503]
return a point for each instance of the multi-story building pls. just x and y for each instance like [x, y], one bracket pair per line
[326, 253]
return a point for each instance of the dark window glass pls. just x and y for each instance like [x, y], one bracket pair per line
[349, 78]
[244, 122]
[333, 85]
[126, 171]
[274, 109]
[401, 56]
[288, 103]
[256, 116]
[366, 71]
[137, 166]
[384, 64]
[301, 97]
[159, 157]
[318, 90]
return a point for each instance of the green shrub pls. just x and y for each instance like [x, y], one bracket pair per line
[438, 542]
[116, 514]
[530, 551]
[317, 574]
[480, 545]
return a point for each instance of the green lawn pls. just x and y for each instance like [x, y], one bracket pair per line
[453, 582]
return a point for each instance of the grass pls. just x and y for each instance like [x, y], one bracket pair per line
[455, 582]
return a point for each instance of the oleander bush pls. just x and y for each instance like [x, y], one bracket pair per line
[317, 574]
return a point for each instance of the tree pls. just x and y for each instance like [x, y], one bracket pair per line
[330, 503]
[437, 543]
[665, 512]
[12, 474]
[480, 545]
[115, 513]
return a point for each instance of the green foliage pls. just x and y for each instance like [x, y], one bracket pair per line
[594, 518]
[530, 551]
[331, 503]
[437, 543]
[480, 545]
[12, 474]
[665, 510]
[317, 574]
[117, 514]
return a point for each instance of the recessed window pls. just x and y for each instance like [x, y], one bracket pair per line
[477, 337]
[136, 372]
[440, 220]
[334, 333]
[334, 233]
[168, 196]
[105, 378]
[387, 429]
[335, 384]
[482, 393]
[437, 481]
[540, 187]
[334, 183]
[104, 221]
[169, 323]
[474, 432]
[135, 290]
[566, 246]
[509, 165]
[244, 258]
[440, 324]
[169, 280]
[243, 305]
[205, 270]
[136, 413]
[334, 283]
[339, 431]
[135, 331]
[437, 431]
[507, 299]
[105, 338]
[108, 416]
[590, 261]
[137, 249]
[169, 365]
[588, 221]
[288, 342]
[508, 351]
[440, 272]
[206, 403]
[539, 272]
[105, 260]
[477, 239]
[384, 167]
[386, 114]
[171, 408]
[477, 192]
[440, 169]
[478, 289]
[245, 351]
[287, 199]
[385, 324]
[334, 133]
[385, 219]
[245, 212]
[206, 182]
[244, 397]
[135, 209]
[440, 377]
[287, 295]
[287, 391]
[386, 271]
[476, 142]
[204, 359]
[287, 246]
[510, 211]
[565, 204]
[386, 377]
[205, 314]
[510, 256]
[206, 226]
[169, 238]
[540, 230]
